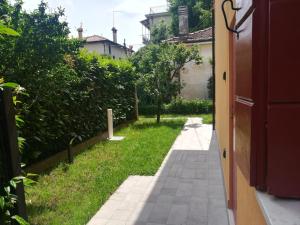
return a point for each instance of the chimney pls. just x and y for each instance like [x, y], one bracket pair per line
[80, 32]
[183, 13]
[115, 37]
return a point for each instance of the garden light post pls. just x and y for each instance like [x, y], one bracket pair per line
[110, 126]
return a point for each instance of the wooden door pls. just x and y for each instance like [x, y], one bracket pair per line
[284, 99]
[250, 95]
[244, 102]
[232, 203]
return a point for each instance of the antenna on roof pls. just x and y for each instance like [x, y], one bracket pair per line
[115, 11]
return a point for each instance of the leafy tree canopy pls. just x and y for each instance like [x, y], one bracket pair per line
[158, 68]
[200, 15]
[43, 41]
[160, 32]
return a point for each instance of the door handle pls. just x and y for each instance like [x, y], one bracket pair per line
[225, 16]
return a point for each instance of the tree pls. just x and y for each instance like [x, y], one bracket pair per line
[200, 15]
[158, 68]
[42, 44]
[160, 33]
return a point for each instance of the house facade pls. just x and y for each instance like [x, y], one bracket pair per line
[155, 17]
[194, 78]
[104, 46]
[257, 108]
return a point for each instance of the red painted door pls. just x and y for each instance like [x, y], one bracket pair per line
[283, 178]
[250, 95]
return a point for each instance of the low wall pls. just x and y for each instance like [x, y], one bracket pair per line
[47, 164]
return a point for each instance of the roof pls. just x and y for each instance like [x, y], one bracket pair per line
[198, 36]
[95, 38]
[98, 38]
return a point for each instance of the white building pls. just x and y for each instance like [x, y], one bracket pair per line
[194, 78]
[155, 17]
[104, 46]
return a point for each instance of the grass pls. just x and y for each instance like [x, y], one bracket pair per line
[207, 118]
[71, 194]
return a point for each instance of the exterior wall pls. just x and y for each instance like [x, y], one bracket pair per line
[195, 77]
[155, 19]
[103, 49]
[248, 211]
[96, 47]
[222, 87]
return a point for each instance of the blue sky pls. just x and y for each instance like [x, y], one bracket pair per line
[97, 16]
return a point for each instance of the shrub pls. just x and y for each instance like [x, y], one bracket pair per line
[180, 106]
[210, 87]
[71, 100]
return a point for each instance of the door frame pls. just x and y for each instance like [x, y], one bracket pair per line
[232, 203]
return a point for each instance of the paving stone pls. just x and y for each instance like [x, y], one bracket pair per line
[178, 215]
[160, 213]
[115, 222]
[168, 191]
[218, 216]
[98, 221]
[121, 214]
[164, 199]
[142, 212]
[184, 189]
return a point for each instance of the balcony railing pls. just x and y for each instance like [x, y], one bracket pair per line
[159, 9]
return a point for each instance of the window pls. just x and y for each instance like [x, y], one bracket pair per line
[109, 49]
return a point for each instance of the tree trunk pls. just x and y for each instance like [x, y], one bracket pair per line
[158, 110]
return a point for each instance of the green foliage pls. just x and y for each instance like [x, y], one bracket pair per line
[200, 15]
[68, 91]
[210, 87]
[72, 102]
[4, 30]
[160, 33]
[8, 200]
[180, 106]
[158, 69]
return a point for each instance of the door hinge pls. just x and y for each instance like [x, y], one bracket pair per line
[224, 153]
[224, 76]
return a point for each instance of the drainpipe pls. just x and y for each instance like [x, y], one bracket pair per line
[214, 64]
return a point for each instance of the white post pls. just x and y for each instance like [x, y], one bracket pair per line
[110, 124]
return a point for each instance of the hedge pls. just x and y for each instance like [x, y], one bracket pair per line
[72, 99]
[180, 106]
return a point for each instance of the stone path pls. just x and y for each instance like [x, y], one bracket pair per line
[188, 189]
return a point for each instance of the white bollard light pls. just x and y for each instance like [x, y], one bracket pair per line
[110, 126]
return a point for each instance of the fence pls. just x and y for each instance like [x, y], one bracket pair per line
[10, 162]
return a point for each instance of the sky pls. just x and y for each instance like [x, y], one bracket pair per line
[96, 16]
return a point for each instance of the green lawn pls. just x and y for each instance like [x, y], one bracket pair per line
[72, 194]
[207, 118]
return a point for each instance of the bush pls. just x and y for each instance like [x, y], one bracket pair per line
[180, 106]
[72, 100]
[210, 87]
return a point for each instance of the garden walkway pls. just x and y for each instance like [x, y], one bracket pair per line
[188, 189]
